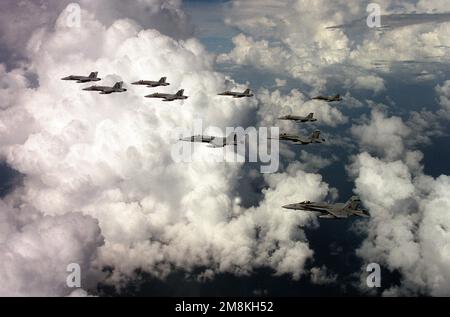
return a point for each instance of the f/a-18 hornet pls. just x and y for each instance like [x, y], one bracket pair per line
[83, 79]
[214, 142]
[152, 84]
[234, 94]
[332, 211]
[308, 118]
[314, 138]
[169, 97]
[105, 90]
[328, 98]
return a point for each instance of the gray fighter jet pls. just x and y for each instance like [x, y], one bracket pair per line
[314, 138]
[152, 84]
[105, 90]
[332, 211]
[83, 79]
[328, 98]
[169, 97]
[308, 118]
[246, 93]
[214, 142]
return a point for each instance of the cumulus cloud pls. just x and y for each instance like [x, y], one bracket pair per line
[409, 224]
[404, 232]
[369, 82]
[385, 136]
[274, 105]
[321, 276]
[394, 138]
[314, 163]
[36, 253]
[104, 163]
[101, 168]
[20, 19]
[298, 43]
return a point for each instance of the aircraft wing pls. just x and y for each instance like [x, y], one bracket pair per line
[302, 141]
[336, 211]
[107, 91]
[216, 143]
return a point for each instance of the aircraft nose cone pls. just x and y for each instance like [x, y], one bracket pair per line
[135, 83]
[291, 206]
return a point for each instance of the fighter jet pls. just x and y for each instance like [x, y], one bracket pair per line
[332, 211]
[328, 98]
[308, 118]
[214, 142]
[169, 97]
[246, 93]
[152, 84]
[83, 79]
[314, 138]
[105, 90]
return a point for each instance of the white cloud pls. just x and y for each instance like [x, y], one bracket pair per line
[108, 157]
[274, 105]
[280, 82]
[444, 98]
[369, 82]
[296, 41]
[409, 224]
[314, 163]
[20, 19]
[35, 254]
[321, 276]
[384, 136]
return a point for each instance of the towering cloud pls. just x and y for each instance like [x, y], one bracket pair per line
[409, 224]
[99, 175]
[36, 250]
[20, 19]
[101, 188]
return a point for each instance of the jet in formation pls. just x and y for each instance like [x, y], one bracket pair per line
[328, 98]
[83, 79]
[214, 142]
[234, 94]
[332, 211]
[314, 138]
[169, 97]
[308, 118]
[153, 84]
[105, 90]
